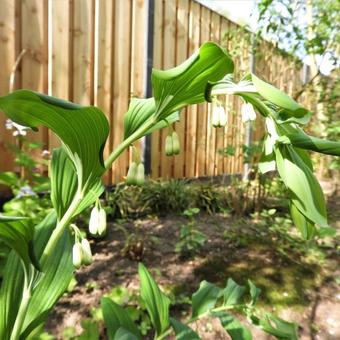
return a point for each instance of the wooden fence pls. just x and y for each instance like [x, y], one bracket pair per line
[94, 52]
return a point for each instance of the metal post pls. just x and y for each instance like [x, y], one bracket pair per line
[146, 141]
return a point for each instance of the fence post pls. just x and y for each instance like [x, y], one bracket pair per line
[146, 141]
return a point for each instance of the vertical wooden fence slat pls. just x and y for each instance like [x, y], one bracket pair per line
[103, 68]
[59, 61]
[156, 137]
[34, 62]
[191, 127]
[7, 53]
[138, 53]
[83, 51]
[121, 91]
[202, 121]
[169, 54]
[181, 56]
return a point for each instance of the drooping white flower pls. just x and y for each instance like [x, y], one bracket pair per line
[248, 113]
[219, 116]
[271, 129]
[97, 224]
[77, 255]
[86, 252]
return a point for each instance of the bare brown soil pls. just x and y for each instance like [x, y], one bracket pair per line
[301, 290]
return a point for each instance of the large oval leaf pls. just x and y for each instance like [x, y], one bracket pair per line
[83, 130]
[290, 110]
[204, 298]
[116, 317]
[186, 84]
[306, 193]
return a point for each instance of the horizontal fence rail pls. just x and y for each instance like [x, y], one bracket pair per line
[94, 52]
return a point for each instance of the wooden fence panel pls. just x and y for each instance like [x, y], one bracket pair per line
[94, 52]
[8, 55]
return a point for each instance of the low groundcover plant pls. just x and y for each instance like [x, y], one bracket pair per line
[40, 267]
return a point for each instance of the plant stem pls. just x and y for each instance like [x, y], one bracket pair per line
[128, 141]
[66, 219]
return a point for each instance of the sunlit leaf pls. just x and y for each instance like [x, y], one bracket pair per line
[156, 302]
[83, 130]
[186, 83]
[306, 193]
[281, 329]
[204, 298]
[233, 293]
[306, 227]
[290, 110]
[116, 317]
[183, 332]
[234, 327]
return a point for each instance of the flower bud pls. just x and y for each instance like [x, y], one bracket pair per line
[132, 174]
[97, 224]
[168, 145]
[140, 178]
[175, 143]
[77, 255]
[86, 252]
[248, 113]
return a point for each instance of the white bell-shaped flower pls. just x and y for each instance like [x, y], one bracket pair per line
[248, 113]
[219, 116]
[97, 224]
[86, 252]
[77, 255]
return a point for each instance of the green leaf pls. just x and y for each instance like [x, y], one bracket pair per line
[234, 327]
[232, 293]
[186, 84]
[204, 298]
[115, 317]
[140, 110]
[57, 273]
[17, 233]
[83, 130]
[306, 227]
[183, 332]
[306, 193]
[254, 292]
[156, 302]
[9, 178]
[64, 184]
[124, 334]
[304, 141]
[290, 111]
[281, 329]
[90, 330]
[63, 181]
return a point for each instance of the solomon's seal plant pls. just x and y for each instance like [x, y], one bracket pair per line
[40, 266]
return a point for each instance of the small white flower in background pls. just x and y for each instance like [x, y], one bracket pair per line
[25, 191]
[97, 224]
[219, 116]
[45, 153]
[248, 113]
[21, 130]
[86, 252]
